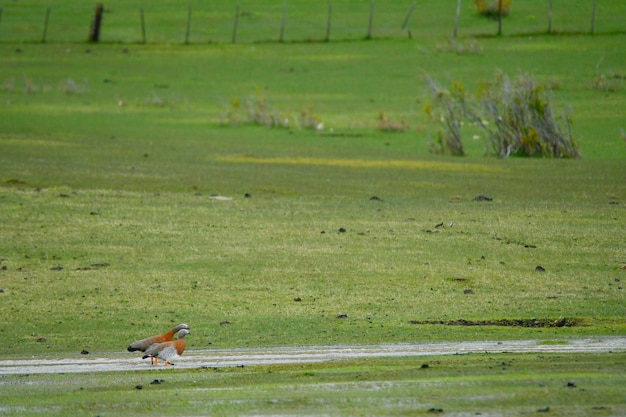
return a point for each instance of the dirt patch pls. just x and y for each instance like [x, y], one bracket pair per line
[542, 322]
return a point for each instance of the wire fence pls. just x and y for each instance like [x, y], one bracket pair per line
[298, 20]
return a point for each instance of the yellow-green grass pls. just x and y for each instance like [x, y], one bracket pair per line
[142, 245]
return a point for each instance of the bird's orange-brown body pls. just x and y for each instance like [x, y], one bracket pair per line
[143, 344]
[167, 350]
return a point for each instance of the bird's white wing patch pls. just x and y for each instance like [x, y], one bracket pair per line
[168, 353]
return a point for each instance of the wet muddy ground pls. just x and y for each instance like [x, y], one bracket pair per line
[213, 358]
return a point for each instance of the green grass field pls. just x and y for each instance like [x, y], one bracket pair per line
[512, 385]
[111, 156]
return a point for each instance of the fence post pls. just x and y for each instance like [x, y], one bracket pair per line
[456, 19]
[45, 26]
[593, 17]
[550, 18]
[328, 20]
[499, 17]
[188, 30]
[283, 19]
[408, 15]
[371, 21]
[235, 24]
[94, 33]
[143, 25]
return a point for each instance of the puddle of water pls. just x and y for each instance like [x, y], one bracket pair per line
[214, 358]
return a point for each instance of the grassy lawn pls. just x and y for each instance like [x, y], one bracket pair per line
[112, 155]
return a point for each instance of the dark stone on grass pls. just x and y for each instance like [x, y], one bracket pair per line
[84, 352]
[375, 198]
[540, 268]
[482, 198]
[468, 291]
[247, 195]
[225, 322]
[342, 230]
[56, 268]
[342, 316]
[157, 382]
[571, 385]
[139, 386]
[424, 366]
[435, 410]
[544, 410]
[41, 340]
[297, 299]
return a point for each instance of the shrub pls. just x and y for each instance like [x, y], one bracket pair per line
[451, 106]
[524, 123]
[490, 8]
[516, 115]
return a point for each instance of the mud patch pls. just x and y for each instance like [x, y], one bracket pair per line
[542, 322]
[212, 359]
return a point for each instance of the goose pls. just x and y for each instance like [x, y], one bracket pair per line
[167, 350]
[143, 344]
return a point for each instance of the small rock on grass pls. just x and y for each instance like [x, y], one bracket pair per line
[482, 198]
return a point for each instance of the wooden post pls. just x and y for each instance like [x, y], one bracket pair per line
[94, 32]
[550, 18]
[283, 19]
[499, 17]
[236, 24]
[143, 25]
[371, 21]
[408, 15]
[456, 19]
[328, 20]
[45, 25]
[188, 30]
[593, 18]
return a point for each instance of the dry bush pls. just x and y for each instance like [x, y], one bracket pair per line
[523, 120]
[388, 125]
[449, 110]
[516, 115]
[490, 8]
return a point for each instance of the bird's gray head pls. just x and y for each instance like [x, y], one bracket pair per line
[182, 333]
[181, 327]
